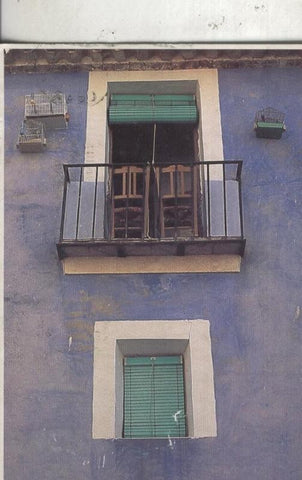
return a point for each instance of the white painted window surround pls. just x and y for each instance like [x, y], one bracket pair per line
[204, 84]
[115, 339]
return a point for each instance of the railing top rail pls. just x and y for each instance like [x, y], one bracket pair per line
[110, 165]
[70, 166]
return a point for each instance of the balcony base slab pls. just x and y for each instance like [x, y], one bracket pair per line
[148, 264]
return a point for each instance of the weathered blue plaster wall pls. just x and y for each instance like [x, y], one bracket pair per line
[255, 316]
[45, 399]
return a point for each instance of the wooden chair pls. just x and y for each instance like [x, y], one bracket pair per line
[177, 190]
[130, 194]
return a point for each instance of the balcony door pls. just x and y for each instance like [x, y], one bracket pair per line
[155, 191]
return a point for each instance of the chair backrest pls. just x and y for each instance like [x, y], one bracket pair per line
[128, 182]
[176, 180]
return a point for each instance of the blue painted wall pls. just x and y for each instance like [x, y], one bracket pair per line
[255, 316]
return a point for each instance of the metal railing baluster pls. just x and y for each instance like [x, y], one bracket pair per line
[209, 201]
[79, 202]
[176, 202]
[240, 202]
[94, 202]
[224, 201]
[66, 180]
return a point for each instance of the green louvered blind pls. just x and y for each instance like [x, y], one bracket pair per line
[126, 109]
[154, 403]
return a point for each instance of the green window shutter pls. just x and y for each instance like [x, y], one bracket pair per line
[154, 397]
[127, 109]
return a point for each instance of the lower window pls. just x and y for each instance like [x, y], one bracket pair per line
[154, 398]
[153, 379]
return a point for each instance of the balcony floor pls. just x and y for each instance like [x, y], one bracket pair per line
[151, 247]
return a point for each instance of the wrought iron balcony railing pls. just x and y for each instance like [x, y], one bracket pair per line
[159, 209]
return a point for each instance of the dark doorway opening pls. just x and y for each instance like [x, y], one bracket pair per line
[154, 182]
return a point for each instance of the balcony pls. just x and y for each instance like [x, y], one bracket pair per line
[121, 210]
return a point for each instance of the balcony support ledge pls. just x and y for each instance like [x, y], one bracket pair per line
[157, 264]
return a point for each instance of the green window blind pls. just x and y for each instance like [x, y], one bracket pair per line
[154, 397]
[125, 109]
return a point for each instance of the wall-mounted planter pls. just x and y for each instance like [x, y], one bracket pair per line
[269, 123]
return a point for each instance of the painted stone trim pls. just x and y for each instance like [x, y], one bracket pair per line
[114, 339]
[167, 264]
